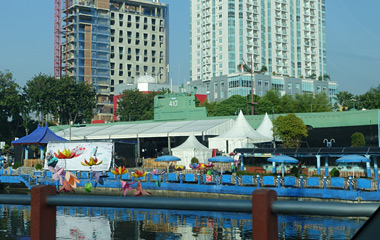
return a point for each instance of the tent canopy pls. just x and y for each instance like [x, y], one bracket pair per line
[42, 135]
[352, 159]
[240, 135]
[220, 159]
[192, 148]
[266, 127]
[282, 159]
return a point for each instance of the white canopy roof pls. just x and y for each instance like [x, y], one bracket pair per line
[148, 129]
[240, 135]
[191, 148]
[266, 127]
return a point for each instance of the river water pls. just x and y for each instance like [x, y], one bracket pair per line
[114, 223]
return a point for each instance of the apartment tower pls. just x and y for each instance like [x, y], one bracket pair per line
[110, 42]
[286, 36]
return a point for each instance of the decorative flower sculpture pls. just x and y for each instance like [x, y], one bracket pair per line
[138, 174]
[157, 172]
[92, 162]
[140, 191]
[179, 167]
[119, 170]
[69, 183]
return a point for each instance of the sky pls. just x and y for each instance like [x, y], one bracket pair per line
[352, 32]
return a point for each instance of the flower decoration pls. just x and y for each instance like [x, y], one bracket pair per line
[140, 191]
[119, 170]
[66, 153]
[194, 166]
[139, 174]
[92, 162]
[157, 172]
[69, 183]
[126, 186]
[179, 167]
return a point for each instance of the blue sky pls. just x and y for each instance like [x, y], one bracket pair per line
[353, 41]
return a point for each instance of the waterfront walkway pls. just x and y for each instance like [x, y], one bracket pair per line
[339, 188]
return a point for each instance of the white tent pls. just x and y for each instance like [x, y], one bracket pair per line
[266, 127]
[189, 149]
[241, 135]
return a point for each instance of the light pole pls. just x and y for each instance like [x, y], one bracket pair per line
[329, 143]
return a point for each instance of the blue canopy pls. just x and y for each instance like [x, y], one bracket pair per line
[167, 158]
[220, 159]
[282, 159]
[42, 135]
[352, 159]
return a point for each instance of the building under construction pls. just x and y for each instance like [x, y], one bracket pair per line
[110, 42]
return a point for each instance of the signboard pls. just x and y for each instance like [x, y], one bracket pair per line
[72, 155]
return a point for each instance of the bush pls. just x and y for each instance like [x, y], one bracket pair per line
[16, 165]
[357, 140]
[194, 160]
[334, 172]
[38, 166]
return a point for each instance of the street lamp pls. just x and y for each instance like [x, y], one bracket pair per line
[329, 143]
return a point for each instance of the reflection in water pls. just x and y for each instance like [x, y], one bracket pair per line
[111, 223]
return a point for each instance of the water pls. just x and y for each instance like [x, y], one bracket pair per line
[111, 223]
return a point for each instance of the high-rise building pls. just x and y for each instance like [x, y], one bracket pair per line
[108, 42]
[288, 37]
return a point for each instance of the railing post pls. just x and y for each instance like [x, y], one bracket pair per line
[180, 178]
[199, 178]
[264, 222]
[258, 180]
[324, 182]
[148, 177]
[301, 182]
[164, 178]
[278, 181]
[43, 217]
[236, 181]
[217, 180]
[350, 182]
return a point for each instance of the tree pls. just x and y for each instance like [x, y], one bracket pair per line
[232, 106]
[11, 106]
[263, 69]
[290, 129]
[344, 99]
[136, 106]
[268, 103]
[286, 105]
[371, 99]
[326, 77]
[357, 140]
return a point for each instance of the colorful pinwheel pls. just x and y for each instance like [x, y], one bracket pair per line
[119, 171]
[57, 174]
[99, 178]
[156, 172]
[92, 162]
[70, 182]
[194, 166]
[126, 186]
[140, 191]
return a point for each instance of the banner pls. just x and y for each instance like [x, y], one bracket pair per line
[72, 155]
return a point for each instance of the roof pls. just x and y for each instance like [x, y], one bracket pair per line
[266, 127]
[148, 129]
[242, 129]
[42, 135]
[191, 143]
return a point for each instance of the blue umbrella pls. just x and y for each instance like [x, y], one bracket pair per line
[167, 158]
[282, 159]
[352, 159]
[220, 159]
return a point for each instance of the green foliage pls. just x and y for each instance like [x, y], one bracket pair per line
[334, 172]
[270, 102]
[194, 160]
[357, 140]
[136, 106]
[370, 99]
[38, 166]
[290, 129]
[63, 98]
[263, 69]
[231, 106]
[16, 165]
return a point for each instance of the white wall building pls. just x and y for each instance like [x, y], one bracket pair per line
[286, 36]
